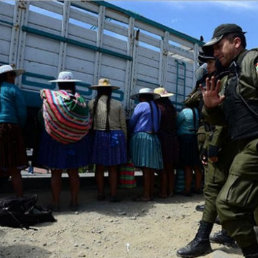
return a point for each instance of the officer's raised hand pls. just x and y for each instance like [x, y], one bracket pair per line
[210, 93]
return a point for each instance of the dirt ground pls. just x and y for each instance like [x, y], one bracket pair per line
[104, 229]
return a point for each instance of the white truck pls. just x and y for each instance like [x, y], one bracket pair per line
[94, 39]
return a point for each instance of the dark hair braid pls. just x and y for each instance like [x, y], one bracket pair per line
[169, 106]
[101, 92]
[152, 116]
[108, 110]
[95, 106]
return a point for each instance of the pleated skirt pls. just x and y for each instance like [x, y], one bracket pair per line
[145, 151]
[55, 155]
[109, 148]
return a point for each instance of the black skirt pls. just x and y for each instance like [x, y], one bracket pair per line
[12, 148]
[170, 147]
[189, 152]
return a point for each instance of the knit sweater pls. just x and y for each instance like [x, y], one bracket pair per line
[117, 119]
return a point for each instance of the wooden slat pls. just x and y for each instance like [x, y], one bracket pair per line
[50, 6]
[181, 52]
[114, 62]
[117, 16]
[83, 17]
[148, 53]
[37, 42]
[37, 67]
[41, 56]
[82, 34]
[121, 30]
[172, 62]
[6, 33]
[114, 44]
[148, 62]
[149, 40]
[5, 47]
[148, 71]
[82, 66]
[4, 58]
[45, 23]
[112, 73]
[80, 54]
[149, 28]
[181, 41]
[90, 6]
[6, 11]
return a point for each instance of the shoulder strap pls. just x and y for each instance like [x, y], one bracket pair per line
[152, 115]
[194, 119]
[239, 62]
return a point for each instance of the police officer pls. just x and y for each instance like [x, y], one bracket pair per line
[218, 151]
[237, 108]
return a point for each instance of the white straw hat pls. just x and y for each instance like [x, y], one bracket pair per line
[145, 91]
[104, 83]
[10, 68]
[65, 76]
[163, 92]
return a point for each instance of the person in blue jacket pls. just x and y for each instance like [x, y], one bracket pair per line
[187, 125]
[145, 148]
[12, 118]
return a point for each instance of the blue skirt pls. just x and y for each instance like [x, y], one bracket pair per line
[145, 150]
[55, 155]
[109, 148]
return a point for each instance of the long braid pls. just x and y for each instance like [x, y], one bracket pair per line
[169, 106]
[151, 108]
[95, 106]
[148, 98]
[101, 92]
[108, 111]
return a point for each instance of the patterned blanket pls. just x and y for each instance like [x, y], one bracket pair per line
[66, 116]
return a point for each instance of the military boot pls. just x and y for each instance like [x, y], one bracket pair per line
[200, 245]
[223, 238]
[250, 251]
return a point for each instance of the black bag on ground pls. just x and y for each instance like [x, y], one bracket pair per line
[23, 212]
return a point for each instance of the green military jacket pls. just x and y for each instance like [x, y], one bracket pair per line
[247, 85]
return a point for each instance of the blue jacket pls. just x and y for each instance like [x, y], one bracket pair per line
[12, 105]
[185, 121]
[141, 120]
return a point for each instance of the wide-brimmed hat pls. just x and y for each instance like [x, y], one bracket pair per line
[10, 68]
[145, 91]
[104, 83]
[65, 76]
[163, 92]
[221, 31]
